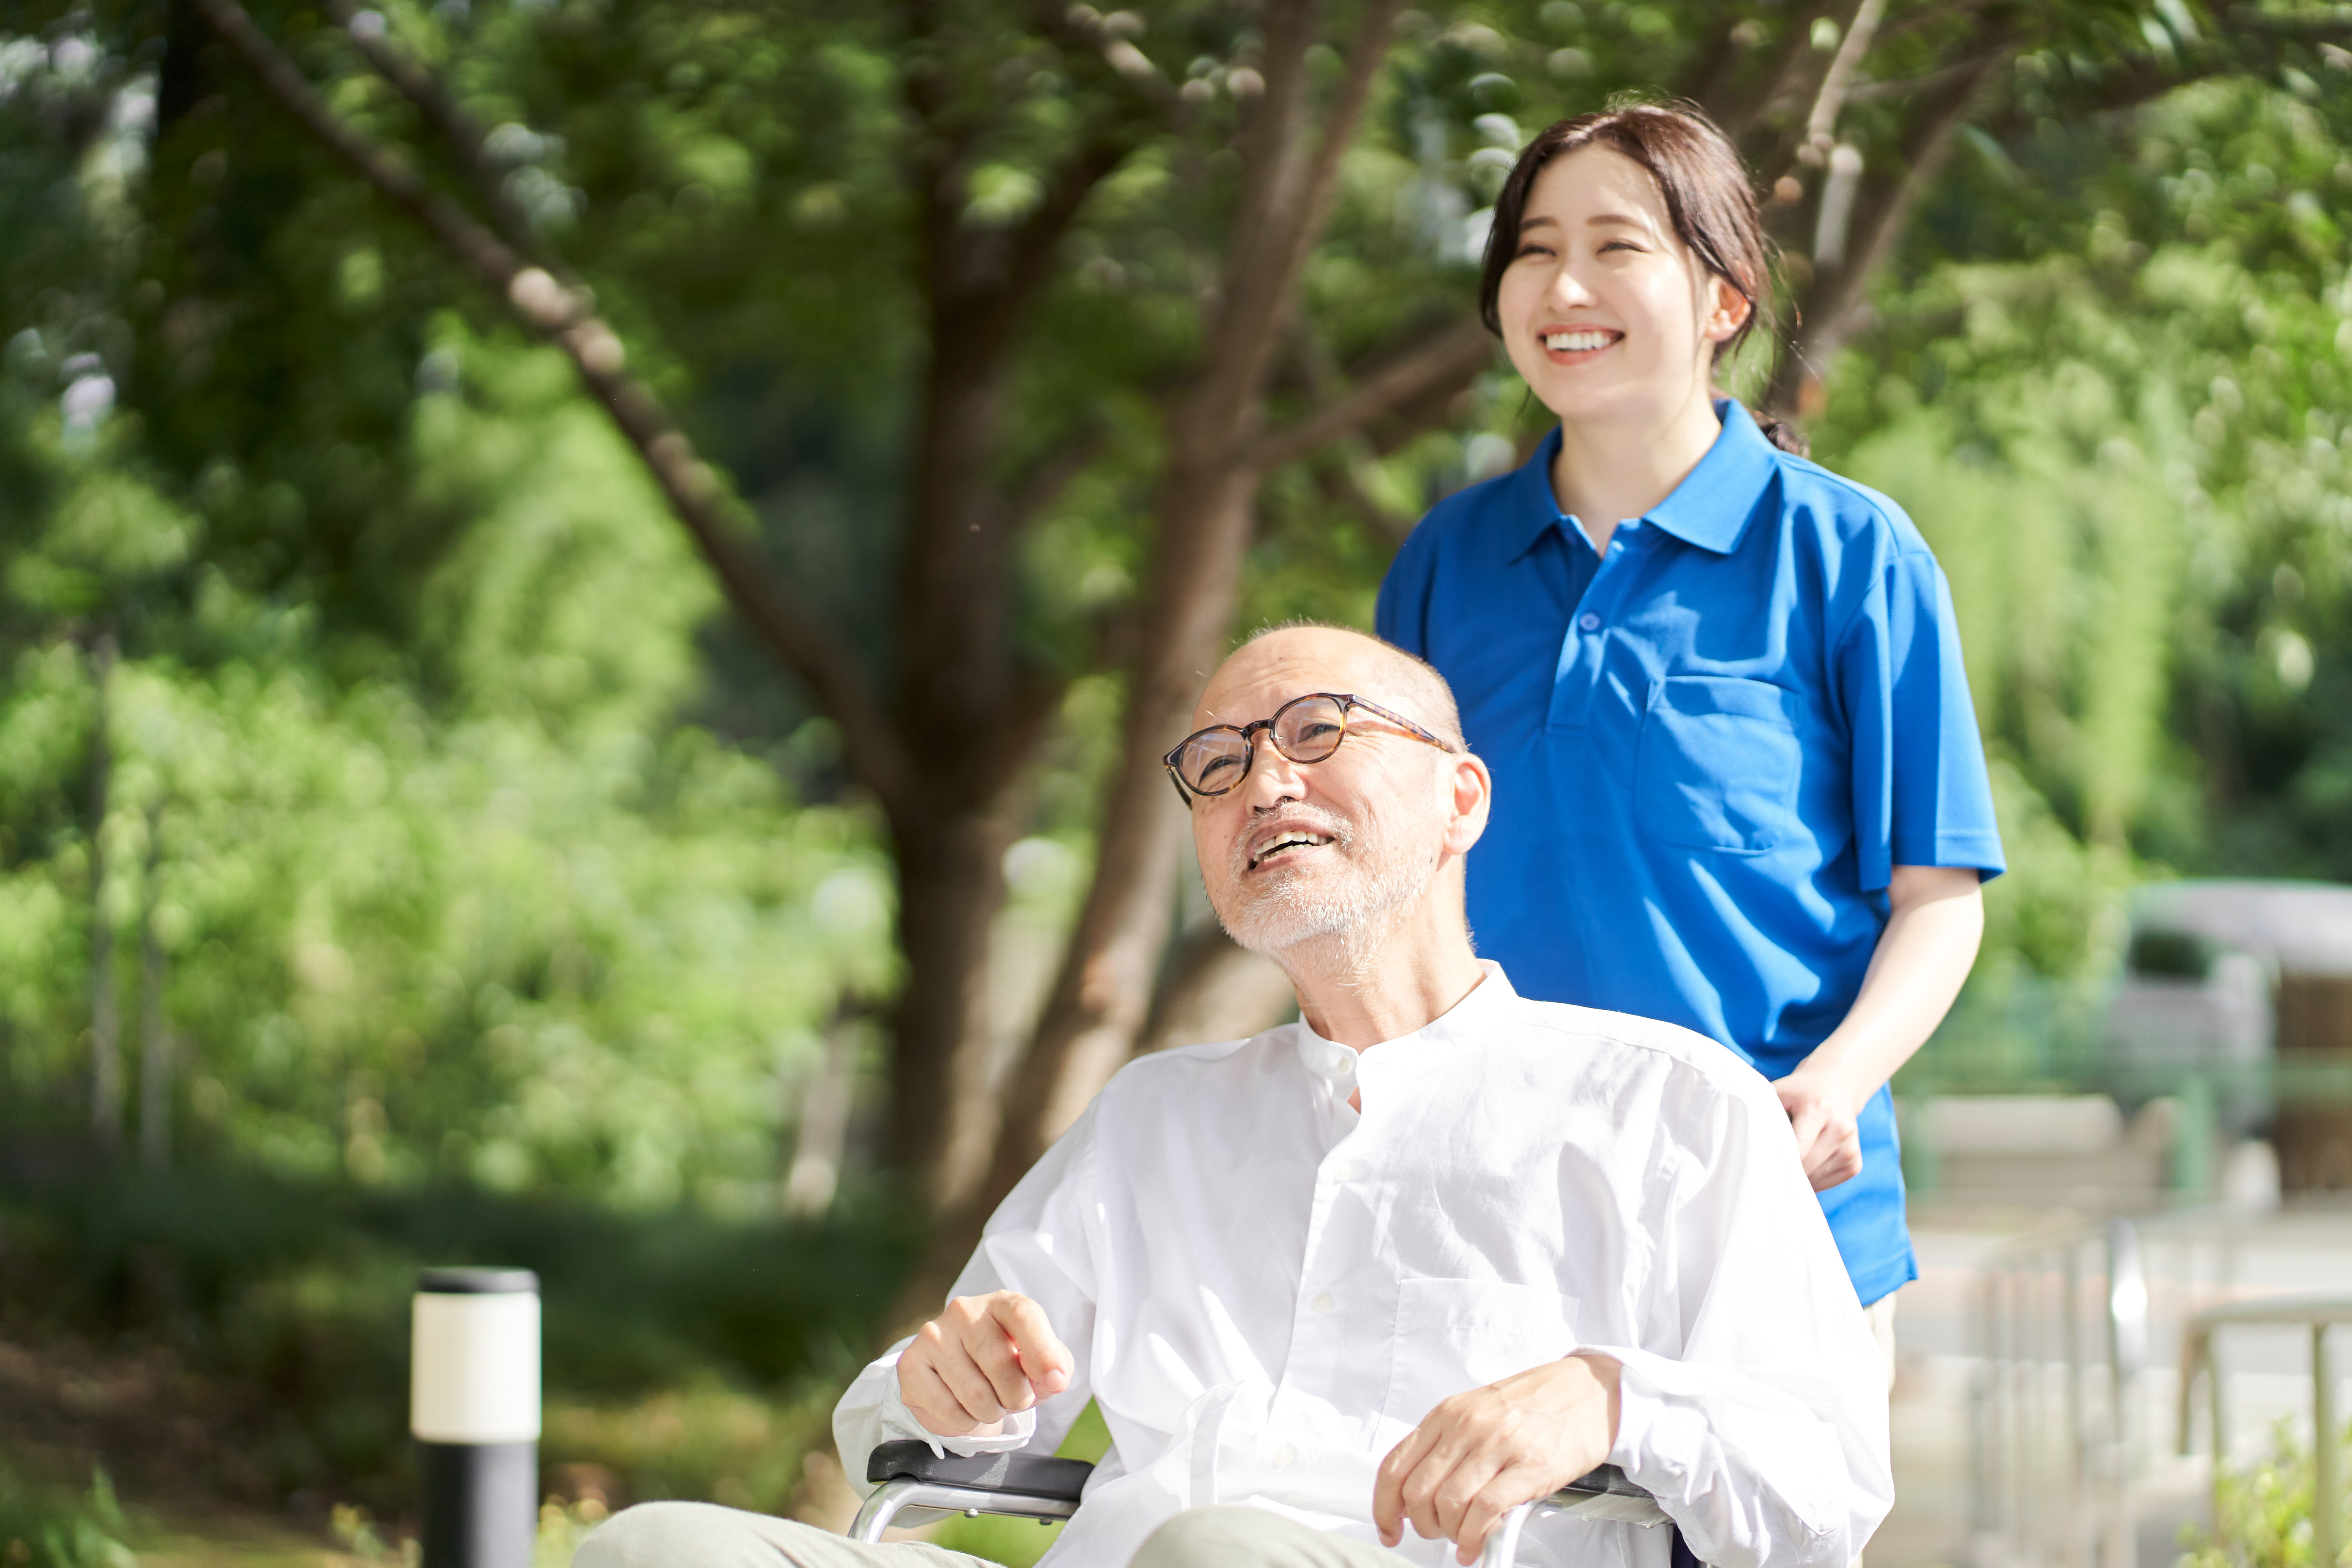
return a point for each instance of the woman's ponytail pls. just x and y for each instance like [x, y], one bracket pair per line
[1784, 434]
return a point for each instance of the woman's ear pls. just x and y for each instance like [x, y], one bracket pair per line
[1727, 310]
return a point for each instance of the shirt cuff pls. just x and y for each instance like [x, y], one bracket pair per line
[898, 1422]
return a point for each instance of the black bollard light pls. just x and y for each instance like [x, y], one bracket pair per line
[473, 1407]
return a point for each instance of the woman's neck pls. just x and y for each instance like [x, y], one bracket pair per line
[1607, 472]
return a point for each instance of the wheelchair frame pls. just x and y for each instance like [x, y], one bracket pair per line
[1027, 1486]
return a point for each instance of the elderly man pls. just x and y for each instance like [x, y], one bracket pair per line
[1349, 1291]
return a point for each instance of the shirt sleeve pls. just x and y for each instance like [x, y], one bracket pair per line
[1764, 1436]
[1039, 1242]
[1401, 614]
[1921, 794]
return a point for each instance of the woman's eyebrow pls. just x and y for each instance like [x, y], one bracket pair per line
[1597, 219]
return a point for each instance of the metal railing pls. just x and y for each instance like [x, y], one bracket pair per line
[2066, 1323]
[2200, 1355]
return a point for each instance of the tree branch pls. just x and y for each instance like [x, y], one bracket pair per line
[561, 317]
[1861, 25]
[1081, 29]
[1455, 353]
[458, 129]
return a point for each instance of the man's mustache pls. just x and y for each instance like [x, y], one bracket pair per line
[1300, 818]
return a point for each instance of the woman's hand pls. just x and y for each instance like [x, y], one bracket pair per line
[1824, 1115]
[1936, 917]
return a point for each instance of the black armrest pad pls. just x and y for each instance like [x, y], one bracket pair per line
[1031, 1475]
[1607, 1479]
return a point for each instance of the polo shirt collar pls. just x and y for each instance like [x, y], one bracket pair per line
[1709, 509]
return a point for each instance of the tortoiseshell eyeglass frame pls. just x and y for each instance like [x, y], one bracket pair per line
[1248, 732]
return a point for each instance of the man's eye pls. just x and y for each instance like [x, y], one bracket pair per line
[1217, 769]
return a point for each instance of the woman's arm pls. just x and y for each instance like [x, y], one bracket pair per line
[1923, 955]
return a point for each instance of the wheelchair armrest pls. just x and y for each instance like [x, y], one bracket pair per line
[1028, 1474]
[1608, 1481]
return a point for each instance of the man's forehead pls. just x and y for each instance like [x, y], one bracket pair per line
[1272, 671]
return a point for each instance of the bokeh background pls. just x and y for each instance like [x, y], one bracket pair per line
[590, 592]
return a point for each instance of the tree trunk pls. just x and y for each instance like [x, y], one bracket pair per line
[154, 1023]
[1215, 990]
[105, 1008]
[821, 1134]
[950, 884]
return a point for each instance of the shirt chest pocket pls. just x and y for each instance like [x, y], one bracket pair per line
[1454, 1335]
[1717, 764]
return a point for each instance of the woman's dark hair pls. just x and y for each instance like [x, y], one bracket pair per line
[1707, 195]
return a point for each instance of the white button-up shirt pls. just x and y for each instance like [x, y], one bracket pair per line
[1266, 1291]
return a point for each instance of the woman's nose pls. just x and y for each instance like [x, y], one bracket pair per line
[1568, 288]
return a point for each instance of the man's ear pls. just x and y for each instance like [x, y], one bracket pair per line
[1472, 796]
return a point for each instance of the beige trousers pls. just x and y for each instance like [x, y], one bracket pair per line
[704, 1535]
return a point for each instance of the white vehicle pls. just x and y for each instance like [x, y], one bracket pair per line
[2199, 991]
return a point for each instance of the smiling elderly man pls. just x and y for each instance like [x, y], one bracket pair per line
[1349, 1291]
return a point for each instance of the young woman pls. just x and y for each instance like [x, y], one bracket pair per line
[1738, 783]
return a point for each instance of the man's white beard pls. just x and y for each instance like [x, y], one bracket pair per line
[1289, 909]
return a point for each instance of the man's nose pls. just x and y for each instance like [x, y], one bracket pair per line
[1273, 778]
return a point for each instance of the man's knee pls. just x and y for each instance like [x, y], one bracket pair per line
[681, 1535]
[1209, 1538]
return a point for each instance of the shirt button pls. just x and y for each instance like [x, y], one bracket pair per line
[1344, 1171]
[1322, 1302]
[1589, 621]
[1282, 1456]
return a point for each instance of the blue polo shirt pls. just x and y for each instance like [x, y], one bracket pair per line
[1711, 743]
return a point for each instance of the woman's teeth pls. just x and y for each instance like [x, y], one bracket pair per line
[1575, 343]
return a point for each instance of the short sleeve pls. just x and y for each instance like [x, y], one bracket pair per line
[1921, 794]
[1400, 616]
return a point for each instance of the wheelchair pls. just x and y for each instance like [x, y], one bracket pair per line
[1027, 1486]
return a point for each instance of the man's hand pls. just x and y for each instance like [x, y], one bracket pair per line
[1823, 1114]
[979, 1360]
[1481, 1454]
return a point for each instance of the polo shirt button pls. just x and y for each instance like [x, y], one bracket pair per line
[1589, 621]
[1282, 1456]
[1344, 1171]
[1322, 1302]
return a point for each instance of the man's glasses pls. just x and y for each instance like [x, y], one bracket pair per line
[1306, 730]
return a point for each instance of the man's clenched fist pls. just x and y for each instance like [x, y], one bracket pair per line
[979, 1360]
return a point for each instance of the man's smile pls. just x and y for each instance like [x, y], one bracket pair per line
[1284, 846]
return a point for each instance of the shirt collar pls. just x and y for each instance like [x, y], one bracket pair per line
[1467, 1021]
[1709, 509]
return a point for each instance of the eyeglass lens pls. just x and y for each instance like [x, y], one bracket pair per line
[1306, 730]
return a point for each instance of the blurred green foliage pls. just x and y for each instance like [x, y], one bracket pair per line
[2264, 1510]
[531, 932]
[685, 1354]
[41, 1530]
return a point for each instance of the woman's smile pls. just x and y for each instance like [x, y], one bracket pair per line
[1576, 346]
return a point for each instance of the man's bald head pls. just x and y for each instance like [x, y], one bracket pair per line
[1349, 661]
[1329, 863]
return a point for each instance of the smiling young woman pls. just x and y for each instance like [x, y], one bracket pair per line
[1738, 779]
